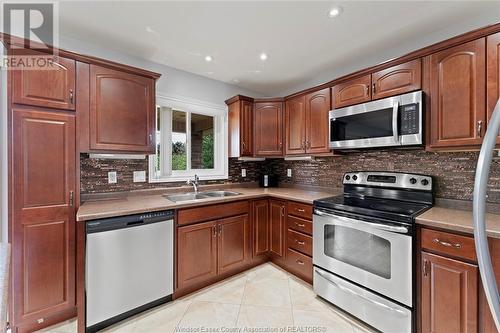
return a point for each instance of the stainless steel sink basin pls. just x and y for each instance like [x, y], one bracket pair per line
[220, 193]
[200, 195]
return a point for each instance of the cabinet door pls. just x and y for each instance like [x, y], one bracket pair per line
[317, 108]
[457, 94]
[449, 295]
[277, 228]
[268, 129]
[43, 226]
[397, 80]
[246, 139]
[196, 253]
[51, 88]
[122, 112]
[354, 91]
[232, 251]
[260, 215]
[295, 119]
[493, 73]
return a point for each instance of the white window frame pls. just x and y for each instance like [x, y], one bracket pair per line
[219, 112]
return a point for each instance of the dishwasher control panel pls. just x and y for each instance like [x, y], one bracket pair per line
[128, 221]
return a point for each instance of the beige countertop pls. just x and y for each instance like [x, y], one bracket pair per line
[141, 203]
[458, 220]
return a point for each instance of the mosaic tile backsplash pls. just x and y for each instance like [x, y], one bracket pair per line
[453, 172]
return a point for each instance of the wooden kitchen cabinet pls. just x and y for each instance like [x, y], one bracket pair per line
[240, 126]
[317, 108]
[457, 95]
[233, 249]
[277, 229]
[268, 128]
[492, 74]
[260, 213]
[196, 253]
[449, 295]
[42, 228]
[397, 80]
[54, 88]
[351, 92]
[295, 129]
[122, 111]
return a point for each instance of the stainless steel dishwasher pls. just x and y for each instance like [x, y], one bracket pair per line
[129, 266]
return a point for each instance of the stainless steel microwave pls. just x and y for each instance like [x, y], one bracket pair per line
[392, 121]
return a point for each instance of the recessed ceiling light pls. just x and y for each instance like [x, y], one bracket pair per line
[335, 11]
[236, 81]
[208, 58]
[263, 56]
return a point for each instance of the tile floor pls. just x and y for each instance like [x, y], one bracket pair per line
[265, 297]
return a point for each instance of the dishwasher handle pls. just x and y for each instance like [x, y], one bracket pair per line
[128, 221]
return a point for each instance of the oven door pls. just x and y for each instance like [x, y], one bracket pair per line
[374, 255]
[372, 124]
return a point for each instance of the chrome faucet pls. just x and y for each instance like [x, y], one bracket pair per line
[194, 183]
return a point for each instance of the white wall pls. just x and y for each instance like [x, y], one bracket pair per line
[3, 154]
[173, 82]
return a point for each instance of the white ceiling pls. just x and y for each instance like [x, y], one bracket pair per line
[302, 42]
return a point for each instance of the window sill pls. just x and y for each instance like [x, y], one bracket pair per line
[177, 179]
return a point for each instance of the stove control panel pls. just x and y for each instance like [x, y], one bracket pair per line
[389, 179]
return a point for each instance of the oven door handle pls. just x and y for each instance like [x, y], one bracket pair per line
[352, 292]
[398, 229]
[395, 109]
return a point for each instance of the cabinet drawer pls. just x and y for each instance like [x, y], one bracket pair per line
[299, 242]
[450, 244]
[300, 210]
[213, 212]
[299, 264]
[299, 224]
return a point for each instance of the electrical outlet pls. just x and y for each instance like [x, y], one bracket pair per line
[289, 172]
[243, 172]
[139, 176]
[112, 177]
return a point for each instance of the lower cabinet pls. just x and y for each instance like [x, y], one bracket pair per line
[449, 295]
[206, 250]
[196, 253]
[260, 228]
[42, 230]
[277, 229]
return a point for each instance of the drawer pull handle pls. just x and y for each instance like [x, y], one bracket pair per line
[302, 225]
[300, 210]
[447, 244]
[300, 262]
[300, 243]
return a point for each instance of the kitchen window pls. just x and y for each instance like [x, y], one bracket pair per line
[191, 138]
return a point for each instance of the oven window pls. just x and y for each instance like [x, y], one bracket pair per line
[366, 125]
[359, 248]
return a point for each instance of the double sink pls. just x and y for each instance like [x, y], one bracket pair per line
[200, 195]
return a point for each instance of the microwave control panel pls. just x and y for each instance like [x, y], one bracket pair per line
[410, 120]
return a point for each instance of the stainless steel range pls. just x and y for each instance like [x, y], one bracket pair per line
[363, 251]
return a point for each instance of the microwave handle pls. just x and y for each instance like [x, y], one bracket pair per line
[395, 109]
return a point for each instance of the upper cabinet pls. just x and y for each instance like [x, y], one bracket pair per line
[351, 92]
[456, 90]
[268, 128]
[295, 129]
[493, 73]
[306, 123]
[397, 80]
[53, 88]
[391, 81]
[317, 108]
[122, 111]
[241, 124]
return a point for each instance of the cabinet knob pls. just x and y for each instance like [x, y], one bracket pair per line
[425, 268]
[71, 96]
[373, 88]
[300, 243]
[479, 128]
[447, 244]
[300, 262]
[71, 198]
